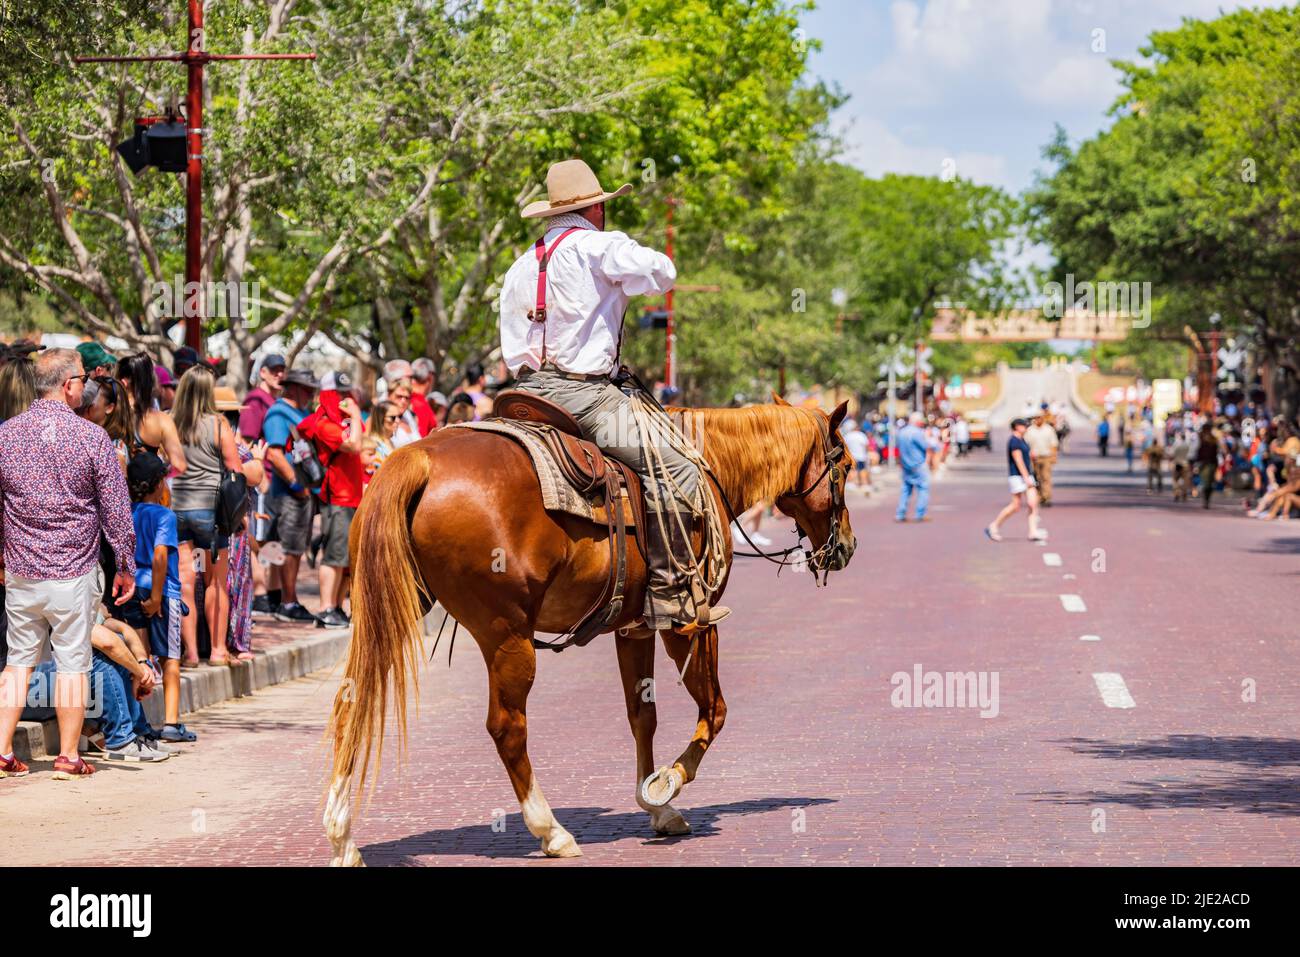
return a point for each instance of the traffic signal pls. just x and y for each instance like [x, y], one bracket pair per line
[161, 143]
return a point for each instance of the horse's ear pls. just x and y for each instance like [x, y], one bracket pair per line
[777, 399]
[838, 415]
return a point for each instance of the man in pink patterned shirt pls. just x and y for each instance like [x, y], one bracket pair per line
[60, 486]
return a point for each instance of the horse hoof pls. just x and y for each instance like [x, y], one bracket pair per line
[669, 821]
[661, 787]
[561, 845]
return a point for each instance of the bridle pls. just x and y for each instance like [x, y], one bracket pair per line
[818, 560]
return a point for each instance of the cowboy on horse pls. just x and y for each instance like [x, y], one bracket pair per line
[462, 518]
[561, 310]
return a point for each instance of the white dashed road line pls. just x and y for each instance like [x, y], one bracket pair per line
[1052, 559]
[1073, 603]
[1090, 637]
[1114, 693]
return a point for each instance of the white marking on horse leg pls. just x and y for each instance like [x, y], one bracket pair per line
[338, 825]
[556, 841]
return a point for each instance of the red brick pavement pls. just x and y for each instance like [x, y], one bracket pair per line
[815, 765]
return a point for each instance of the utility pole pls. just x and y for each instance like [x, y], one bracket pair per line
[195, 59]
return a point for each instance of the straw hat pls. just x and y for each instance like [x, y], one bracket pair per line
[571, 185]
[226, 399]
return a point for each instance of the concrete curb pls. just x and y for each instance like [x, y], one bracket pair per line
[206, 686]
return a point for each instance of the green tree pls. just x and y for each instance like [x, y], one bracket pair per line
[1194, 185]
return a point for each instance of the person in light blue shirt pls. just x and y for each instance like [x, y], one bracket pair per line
[916, 454]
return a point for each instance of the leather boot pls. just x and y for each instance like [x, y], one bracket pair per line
[674, 601]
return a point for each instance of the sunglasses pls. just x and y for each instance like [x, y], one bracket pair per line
[83, 378]
[109, 383]
[392, 418]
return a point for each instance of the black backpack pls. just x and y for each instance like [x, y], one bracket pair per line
[232, 496]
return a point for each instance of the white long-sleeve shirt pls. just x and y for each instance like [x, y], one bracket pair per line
[588, 281]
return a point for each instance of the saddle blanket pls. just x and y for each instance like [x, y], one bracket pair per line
[557, 494]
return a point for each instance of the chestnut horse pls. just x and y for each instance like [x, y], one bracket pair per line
[458, 517]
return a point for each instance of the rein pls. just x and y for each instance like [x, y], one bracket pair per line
[832, 455]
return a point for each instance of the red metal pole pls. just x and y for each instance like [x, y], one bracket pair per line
[194, 179]
[670, 366]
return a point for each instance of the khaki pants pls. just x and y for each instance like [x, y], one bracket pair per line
[1043, 475]
[605, 414]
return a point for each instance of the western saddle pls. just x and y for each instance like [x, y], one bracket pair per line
[613, 488]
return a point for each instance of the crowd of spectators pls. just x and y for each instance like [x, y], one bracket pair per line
[1240, 450]
[148, 516]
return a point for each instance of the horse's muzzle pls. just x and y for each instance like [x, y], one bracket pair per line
[839, 557]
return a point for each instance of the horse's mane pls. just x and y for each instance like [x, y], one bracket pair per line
[756, 452]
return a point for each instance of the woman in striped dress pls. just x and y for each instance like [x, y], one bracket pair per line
[239, 576]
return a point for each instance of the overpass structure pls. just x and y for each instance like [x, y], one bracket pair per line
[1027, 325]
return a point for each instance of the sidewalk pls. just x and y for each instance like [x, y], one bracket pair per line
[283, 651]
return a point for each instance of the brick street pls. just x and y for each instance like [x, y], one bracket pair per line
[815, 764]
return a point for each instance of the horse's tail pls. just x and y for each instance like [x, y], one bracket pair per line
[389, 601]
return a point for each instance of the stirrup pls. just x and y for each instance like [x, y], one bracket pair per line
[710, 615]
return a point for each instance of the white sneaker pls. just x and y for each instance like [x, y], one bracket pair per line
[135, 751]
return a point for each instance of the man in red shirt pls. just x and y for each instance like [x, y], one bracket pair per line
[336, 431]
[426, 420]
[268, 379]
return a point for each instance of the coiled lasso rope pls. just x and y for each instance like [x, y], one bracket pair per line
[655, 427]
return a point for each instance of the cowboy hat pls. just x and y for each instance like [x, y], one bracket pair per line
[226, 400]
[571, 185]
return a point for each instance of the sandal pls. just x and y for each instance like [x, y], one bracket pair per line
[245, 656]
[177, 732]
[65, 770]
[187, 665]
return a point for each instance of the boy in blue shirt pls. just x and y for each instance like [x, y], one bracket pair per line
[156, 605]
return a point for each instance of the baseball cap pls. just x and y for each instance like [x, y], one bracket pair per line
[334, 382]
[93, 355]
[272, 360]
[437, 398]
[164, 377]
[146, 469]
[185, 356]
[301, 377]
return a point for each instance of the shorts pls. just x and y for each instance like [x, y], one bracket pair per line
[164, 628]
[63, 609]
[199, 525]
[859, 464]
[335, 525]
[292, 517]
[1018, 486]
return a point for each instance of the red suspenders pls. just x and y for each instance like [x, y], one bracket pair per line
[543, 257]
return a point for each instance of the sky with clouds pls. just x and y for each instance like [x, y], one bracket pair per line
[980, 83]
